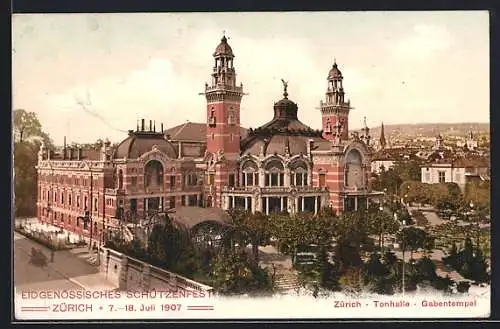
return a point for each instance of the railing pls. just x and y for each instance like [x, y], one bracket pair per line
[224, 87]
[154, 189]
[274, 189]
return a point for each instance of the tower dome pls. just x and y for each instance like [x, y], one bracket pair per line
[223, 49]
[334, 73]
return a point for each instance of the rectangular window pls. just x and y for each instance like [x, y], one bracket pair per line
[172, 202]
[231, 180]
[183, 200]
[62, 197]
[274, 179]
[322, 180]
[85, 203]
[292, 180]
[95, 204]
[298, 178]
[250, 177]
[172, 181]
[69, 199]
[305, 180]
[267, 180]
[192, 200]
[442, 177]
[62, 218]
[134, 181]
[78, 201]
[133, 206]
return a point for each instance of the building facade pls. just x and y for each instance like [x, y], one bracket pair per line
[283, 165]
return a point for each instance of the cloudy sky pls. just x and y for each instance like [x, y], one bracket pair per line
[93, 75]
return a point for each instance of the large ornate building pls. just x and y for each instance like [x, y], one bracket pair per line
[283, 165]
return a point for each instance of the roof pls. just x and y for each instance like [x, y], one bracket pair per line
[476, 162]
[334, 72]
[140, 142]
[223, 49]
[193, 131]
[284, 132]
[189, 217]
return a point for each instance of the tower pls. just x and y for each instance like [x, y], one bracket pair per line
[382, 137]
[335, 109]
[223, 104]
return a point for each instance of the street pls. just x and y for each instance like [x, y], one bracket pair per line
[68, 271]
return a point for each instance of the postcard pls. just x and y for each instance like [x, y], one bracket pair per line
[278, 165]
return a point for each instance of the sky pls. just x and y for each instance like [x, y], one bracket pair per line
[90, 76]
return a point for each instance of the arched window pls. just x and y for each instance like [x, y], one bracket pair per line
[250, 173]
[298, 173]
[120, 179]
[275, 173]
[353, 174]
[230, 117]
[153, 174]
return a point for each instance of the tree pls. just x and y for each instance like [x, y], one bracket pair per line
[28, 135]
[381, 223]
[351, 230]
[26, 126]
[352, 281]
[412, 239]
[256, 224]
[387, 180]
[236, 273]
[408, 170]
[302, 229]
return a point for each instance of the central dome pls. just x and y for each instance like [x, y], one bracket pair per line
[223, 49]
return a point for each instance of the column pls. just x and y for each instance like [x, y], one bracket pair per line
[246, 203]
[232, 202]
[281, 206]
[355, 203]
[267, 205]
[315, 205]
[254, 204]
[287, 177]
[296, 203]
[262, 179]
[303, 203]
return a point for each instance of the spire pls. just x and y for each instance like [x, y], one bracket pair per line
[382, 137]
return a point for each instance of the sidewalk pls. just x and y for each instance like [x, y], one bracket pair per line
[69, 264]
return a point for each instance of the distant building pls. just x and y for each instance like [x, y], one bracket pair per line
[444, 166]
[470, 143]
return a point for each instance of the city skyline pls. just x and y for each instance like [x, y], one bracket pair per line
[105, 71]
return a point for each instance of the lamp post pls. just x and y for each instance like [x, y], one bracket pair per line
[381, 229]
[404, 247]
[471, 205]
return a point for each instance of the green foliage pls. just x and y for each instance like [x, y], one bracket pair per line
[408, 170]
[28, 135]
[479, 194]
[412, 239]
[469, 265]
[257, 225]
[381, 223]
[236, 273]
[302, 229]
[351, 281]
[387, 180]
[441, 196]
